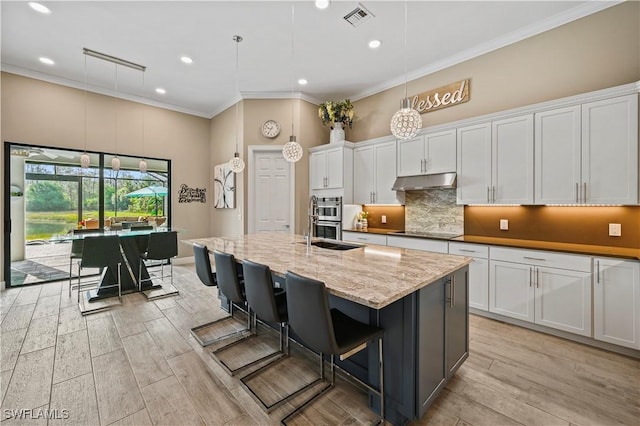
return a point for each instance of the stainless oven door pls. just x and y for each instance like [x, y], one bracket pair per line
[325, 229]
[329, 209]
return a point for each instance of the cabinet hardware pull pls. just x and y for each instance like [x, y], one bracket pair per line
[535, 258]
[425, 165]
[577, 194]
[488, 199]
[584, 186]
[530, 276]
[468, 251]
[598, 272]
[537, 277]
[493, 200]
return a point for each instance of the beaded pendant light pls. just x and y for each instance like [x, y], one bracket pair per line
[236, 164]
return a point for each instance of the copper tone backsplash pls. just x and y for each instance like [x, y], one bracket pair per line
[395, 217]
[433, 210]
[579, 225]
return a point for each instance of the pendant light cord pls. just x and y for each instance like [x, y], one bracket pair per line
[115, 101]
[85, 103]
[237, 39]
[143, 108]
[406, 78]
[292, 63]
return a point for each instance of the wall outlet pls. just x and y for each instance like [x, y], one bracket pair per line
[504, 224]
[384, 219]
[615, 230]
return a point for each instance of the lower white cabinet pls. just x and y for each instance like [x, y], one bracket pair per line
[363, 237]
[616, 300]
[478, 272]
[436, 246]
[549, 296]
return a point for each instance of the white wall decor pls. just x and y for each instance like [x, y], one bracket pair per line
[224, 187]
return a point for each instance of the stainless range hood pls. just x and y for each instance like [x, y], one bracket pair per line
[414, 183]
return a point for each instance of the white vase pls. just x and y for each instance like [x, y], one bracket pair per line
[337, 133]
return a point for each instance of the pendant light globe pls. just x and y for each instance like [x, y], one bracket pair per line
[85, 160]
[142, 166]
[115, 163]
[236, 164]
[292, 151]
[406, 122]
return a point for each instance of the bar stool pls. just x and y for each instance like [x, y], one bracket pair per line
[161, 246]
[328, 331]
[101, 252]
[229, 285]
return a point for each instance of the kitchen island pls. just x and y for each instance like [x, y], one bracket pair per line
[419, 298]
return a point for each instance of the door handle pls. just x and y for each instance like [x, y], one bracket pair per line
[287, 226]
[488, 196]
[537, 277]
[598, 271]
[584, 197]
[530, 276]
[493, 198]
[577, 194]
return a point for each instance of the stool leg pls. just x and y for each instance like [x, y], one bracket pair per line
[119, 282]
[333, 370]
[321, 365]
[381, 372]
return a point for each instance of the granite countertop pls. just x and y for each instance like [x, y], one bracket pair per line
[372, 275]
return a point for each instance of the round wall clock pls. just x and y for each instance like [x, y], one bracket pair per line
[271, 128]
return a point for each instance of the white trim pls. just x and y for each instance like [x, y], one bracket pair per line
[341, 144]
[252, 150]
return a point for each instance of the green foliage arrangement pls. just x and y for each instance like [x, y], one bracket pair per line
[336, 112]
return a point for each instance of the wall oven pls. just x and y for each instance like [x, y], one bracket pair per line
[328, 229]
[329, 209]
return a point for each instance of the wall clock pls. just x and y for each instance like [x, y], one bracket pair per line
[271, 128]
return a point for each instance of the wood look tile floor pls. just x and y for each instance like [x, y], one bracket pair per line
[138, 364]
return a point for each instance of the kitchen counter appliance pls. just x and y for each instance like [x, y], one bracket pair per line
[329, 218]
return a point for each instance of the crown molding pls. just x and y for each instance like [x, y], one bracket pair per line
[550, 23]
[263, 95]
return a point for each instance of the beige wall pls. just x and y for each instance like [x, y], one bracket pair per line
[41, 113]
[595, 52]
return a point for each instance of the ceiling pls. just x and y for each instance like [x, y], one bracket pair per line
[329, 52]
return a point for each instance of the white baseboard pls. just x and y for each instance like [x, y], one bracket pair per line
[2, 286]
[184, 260]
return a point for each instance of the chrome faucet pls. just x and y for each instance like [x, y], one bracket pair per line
[313, 200]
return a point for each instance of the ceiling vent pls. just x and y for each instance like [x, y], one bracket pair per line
[358, 16]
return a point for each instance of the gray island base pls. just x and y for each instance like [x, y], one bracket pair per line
[419, 298]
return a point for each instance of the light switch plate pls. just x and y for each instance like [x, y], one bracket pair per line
[615, 230]
[384, 218]
[504, 224]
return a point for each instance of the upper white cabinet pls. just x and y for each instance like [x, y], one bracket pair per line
[331, 170]
[610, 151]
[588, 153]
[374, 171]
[616, 302]
[428, 154]
[495, 162]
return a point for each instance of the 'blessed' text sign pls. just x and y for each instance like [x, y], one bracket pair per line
[442, 97]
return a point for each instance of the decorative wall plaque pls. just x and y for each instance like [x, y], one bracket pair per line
[442, 97]
[191, 195]
[224, 188]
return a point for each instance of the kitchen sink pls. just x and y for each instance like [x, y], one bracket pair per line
[333, 245]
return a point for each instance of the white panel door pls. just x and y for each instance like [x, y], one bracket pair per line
[616, 302]
[271, 204]
[512, 160]
[610, 151]
[440, 152]
[557, 156]
[563, 299]
[317, 169]
[335, 168]
[511, 291]
[385, 173]
[363, 175]
[474, 164]
[411, 157]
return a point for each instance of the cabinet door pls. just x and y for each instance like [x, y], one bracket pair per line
[479, 284]
[610, 150]
[363, 175]
[511, 291]
[616, 302]
[335, 168]
[411, 156]
[512, 160]
[440, 152]
[317, 169]
[563, 299]
[385, 173]
[557, 156]
[457, 321]
[474, 164]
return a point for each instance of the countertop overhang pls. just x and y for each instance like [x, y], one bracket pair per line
[373, 275]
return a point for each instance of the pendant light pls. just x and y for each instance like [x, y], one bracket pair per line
[236, 164]
[292, 151]
[85, 160]
[115, 161]
[406, 122]
[142, 165]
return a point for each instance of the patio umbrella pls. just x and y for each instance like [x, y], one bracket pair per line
[150, 191]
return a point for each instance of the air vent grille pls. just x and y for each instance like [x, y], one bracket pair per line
[358, 16]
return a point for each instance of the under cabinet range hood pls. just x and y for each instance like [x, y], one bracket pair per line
[414, 183]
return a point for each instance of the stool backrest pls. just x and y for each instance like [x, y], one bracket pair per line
[227, 276]
[309, 313]
[162, 245]
[258, 285]
[203, 265]
[77, 244]
[101, 251]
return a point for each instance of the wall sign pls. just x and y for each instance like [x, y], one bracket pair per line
[442, 97]
[224, 187]
[190, 195]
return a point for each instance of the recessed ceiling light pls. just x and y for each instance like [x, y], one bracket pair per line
[160, 91]
[46, 60]
[186, 59]
[302, 81]
[322, 4]
[39, 7]
[374, 44]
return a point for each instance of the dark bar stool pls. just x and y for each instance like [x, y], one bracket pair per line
[229, 285]
[162, 246]
[328, 331]
[203, 265]
[76, 250]
[101, 252]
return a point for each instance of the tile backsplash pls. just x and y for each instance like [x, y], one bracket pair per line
[433, 210]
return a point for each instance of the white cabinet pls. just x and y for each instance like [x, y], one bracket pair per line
[363, 237]
[374, 171]
[435, 246]
[610, 151]
[616, 302]
[478, 272]
[588, 154]
[546, 288]
[331, 171]
[428, 154]
[495, 162]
